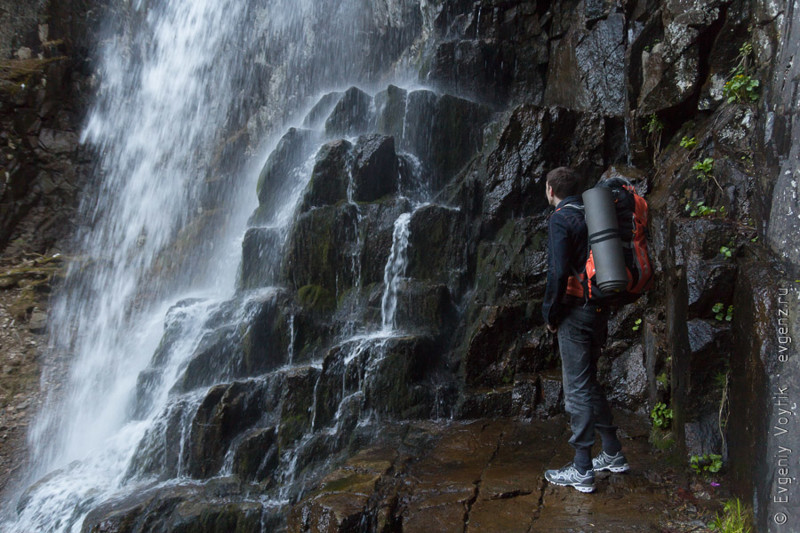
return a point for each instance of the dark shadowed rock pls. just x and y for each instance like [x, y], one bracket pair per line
[626, 380]
[248, 346]
[587, 68]
[226, 411]
[274, 181]
[480, 69]
[217, 506]
[534, 141]
[261, 256]
[296, 405]
[375, 169]
[320, 249]
[256, 455]
[390, 106]
[351, 115]
[321, 110]
[330, 177]
[436, 246]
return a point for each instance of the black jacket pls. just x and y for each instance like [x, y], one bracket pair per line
[567, 248]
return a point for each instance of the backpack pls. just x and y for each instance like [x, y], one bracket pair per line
[632, 221]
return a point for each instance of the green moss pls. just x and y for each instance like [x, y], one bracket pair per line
[316, 297]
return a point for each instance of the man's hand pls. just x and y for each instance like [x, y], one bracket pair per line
[551, 328]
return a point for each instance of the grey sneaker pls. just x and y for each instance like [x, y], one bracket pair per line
[570, 477]
[615, 463]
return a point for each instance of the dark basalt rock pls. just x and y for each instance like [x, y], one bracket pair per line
[534, 141]
[513, 265]
[375, 168]
[250, 346]
[710, 277]
[292, 150]
[479, 68]
[296, 405]
[351, 115]
[226, 411]
[490, 357]
[330, 177]
[321, 247]
[261, 257]
[436, 246]
[425, 307]
[587, 68]
[391, 106]
[321, 110]
[256, 456]
[625, 380]
[217, 506]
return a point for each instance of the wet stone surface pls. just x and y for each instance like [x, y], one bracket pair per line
[487, 476]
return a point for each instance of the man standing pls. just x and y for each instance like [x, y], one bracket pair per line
[582, 328]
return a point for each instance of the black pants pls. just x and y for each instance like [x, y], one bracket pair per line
[581, 336]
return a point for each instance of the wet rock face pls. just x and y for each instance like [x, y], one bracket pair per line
[294, 147]
[574, 80]
[765, 375]
[534, 141]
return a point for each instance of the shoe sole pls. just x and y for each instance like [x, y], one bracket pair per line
[614, 469]
[585, 490]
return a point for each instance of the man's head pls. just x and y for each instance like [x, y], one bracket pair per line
[562, 182]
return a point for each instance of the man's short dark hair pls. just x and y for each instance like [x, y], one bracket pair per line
[565, 182]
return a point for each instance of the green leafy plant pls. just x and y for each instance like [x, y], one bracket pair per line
[736, 518]
[661, 415]
[706, 463]
[721, 313]
[742, 87]
[726, 252]
[704, 167]
[705, 170]
[688, 142]
[637, 325]
[663, 380]
[700, 209]
[654, 127]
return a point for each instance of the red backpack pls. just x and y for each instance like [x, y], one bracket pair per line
[632, 220]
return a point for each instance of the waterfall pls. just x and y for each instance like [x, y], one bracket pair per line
[180, 82]
[394, 272]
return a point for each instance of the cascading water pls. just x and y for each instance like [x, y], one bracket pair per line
[395, 270]
[176, 83]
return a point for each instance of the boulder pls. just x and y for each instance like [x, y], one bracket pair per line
[436, 246]
[261, 256]
[321, 110]
[297, 400]
[322, 249]
[351, 115]
[274, 181]
[375, 169]
[390, 106]
[330, 179]
[224, 413]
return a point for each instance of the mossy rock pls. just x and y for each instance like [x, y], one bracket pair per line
[316, 298]
[330, 177]
[296, 402]
[320, 249]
